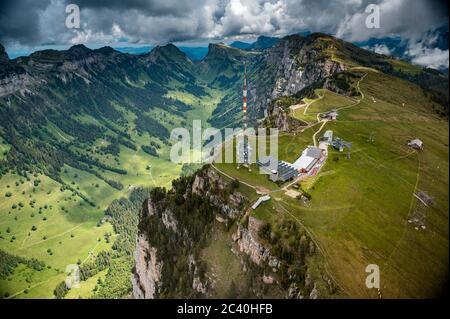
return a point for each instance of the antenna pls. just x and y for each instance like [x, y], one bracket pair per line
[349, 146]
[244, 110]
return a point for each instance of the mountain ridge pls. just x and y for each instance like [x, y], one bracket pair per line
[95, 125]
[261, 43]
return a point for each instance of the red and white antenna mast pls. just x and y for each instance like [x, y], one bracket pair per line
[244, 105]
[244, 96]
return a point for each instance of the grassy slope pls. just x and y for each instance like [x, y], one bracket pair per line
[86, 287]
[360, 206]
[327, 101]
[223, 265]
[70, 233]
[360, 210]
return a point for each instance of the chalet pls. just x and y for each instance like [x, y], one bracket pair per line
[331, 115]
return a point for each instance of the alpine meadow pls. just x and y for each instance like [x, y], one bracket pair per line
[352, 204]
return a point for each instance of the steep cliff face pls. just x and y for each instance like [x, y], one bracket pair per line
[147, 275]
[301, 61]
[16, 83]
[12, 76]
[176, 228]
[228, 207]
[247, 240]
[173, 229]
[278, 115]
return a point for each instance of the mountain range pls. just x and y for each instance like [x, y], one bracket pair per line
[107, 115]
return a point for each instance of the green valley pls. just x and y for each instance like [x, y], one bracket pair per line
[86, 179]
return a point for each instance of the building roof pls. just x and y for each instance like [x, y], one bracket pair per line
[333, 111]
[268, 163]
[286, 171]
[416, 142]
[283, 170]
[328, 134]
[260, 200]
[313, 152]
[304, 162]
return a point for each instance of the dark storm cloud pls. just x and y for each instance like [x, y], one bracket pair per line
[146, 21]
[19, 21]
[31, 22]
[151, 8]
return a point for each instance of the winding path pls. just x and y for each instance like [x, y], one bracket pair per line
[357, 102]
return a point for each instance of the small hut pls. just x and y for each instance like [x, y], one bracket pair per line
[416, 143]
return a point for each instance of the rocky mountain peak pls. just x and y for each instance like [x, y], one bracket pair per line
[166, 54]
[217, 47]
[79, 49]
[168, 51]
[222, 51]
[264, 42]
[105, 50]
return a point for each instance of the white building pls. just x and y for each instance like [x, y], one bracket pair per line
[331, 115]
[260, 200]
[328, 136]
[416, 143]
[308, 159]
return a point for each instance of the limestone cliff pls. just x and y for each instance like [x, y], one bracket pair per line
[174, 229]
[147, 275]
[300, 62]
[247, 239]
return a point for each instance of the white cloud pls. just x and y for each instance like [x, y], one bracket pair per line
[161, 21]
[409, 19]
[434, 58]
[379, 48]
[252, 17]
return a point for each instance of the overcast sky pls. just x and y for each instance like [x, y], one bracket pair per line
[31, 23]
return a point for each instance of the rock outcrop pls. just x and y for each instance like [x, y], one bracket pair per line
[15, 82]
[150, 264]
[229, 207]
[247, 240]
[147, 275]
[13, 77]
[170, 253]
[280, 118]
[300, 62]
